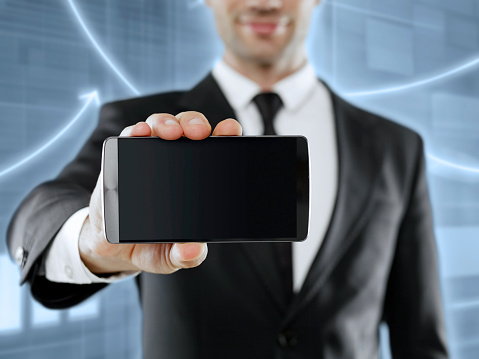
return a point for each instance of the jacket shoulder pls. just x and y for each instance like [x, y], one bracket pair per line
[393, 134]
[161, 97]
[143, 106]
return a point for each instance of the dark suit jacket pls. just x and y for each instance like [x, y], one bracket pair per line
[377, 261]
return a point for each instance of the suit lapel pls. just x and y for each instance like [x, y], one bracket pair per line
[207, 98]
[359, 163]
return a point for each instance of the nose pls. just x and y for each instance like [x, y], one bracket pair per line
[264, 5]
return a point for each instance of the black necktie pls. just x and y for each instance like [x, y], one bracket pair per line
[268, 104]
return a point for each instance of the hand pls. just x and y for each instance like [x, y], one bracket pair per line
[100, 256]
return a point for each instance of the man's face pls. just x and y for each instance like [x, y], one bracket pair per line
[262, 31]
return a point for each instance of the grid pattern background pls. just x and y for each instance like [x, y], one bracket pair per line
[413, 61]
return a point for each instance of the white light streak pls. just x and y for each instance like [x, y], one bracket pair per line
[98, 48]
[92, 96]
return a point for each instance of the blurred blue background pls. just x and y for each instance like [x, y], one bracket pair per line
[414, 61]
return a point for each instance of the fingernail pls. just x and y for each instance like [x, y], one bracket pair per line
[171, 123]
[196, 121]
[190, 247]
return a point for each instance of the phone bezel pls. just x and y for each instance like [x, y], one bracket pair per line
[110, 206]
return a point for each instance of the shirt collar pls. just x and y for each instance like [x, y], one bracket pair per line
[295, 89]
[240, 90]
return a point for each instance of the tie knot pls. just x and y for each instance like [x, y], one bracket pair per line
[268, 104]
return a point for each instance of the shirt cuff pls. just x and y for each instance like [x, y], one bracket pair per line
[63, 263]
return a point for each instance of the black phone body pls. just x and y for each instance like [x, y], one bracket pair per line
[220, 189]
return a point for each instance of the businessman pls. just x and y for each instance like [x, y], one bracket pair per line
[370, 255]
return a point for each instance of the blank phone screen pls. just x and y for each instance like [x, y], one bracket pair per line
[217, 188]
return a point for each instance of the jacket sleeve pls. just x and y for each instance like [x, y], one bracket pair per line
[413, 308]
[43, 212]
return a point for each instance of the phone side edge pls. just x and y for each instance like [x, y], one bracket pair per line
[304, 200]
[109, 189]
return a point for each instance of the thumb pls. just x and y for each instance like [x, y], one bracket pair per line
[188, 255]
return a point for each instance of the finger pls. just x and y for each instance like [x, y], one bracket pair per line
[139, 130]
[195, 125]
[228, 127]
[165, 126]
[188, 255]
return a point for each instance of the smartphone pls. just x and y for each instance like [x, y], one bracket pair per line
[220, 189]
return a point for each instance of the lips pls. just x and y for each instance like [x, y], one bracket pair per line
[262, 28]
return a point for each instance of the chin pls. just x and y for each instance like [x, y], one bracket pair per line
[261, 52]
[266, 57]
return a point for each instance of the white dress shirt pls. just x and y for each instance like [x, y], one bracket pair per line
[307, 111]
